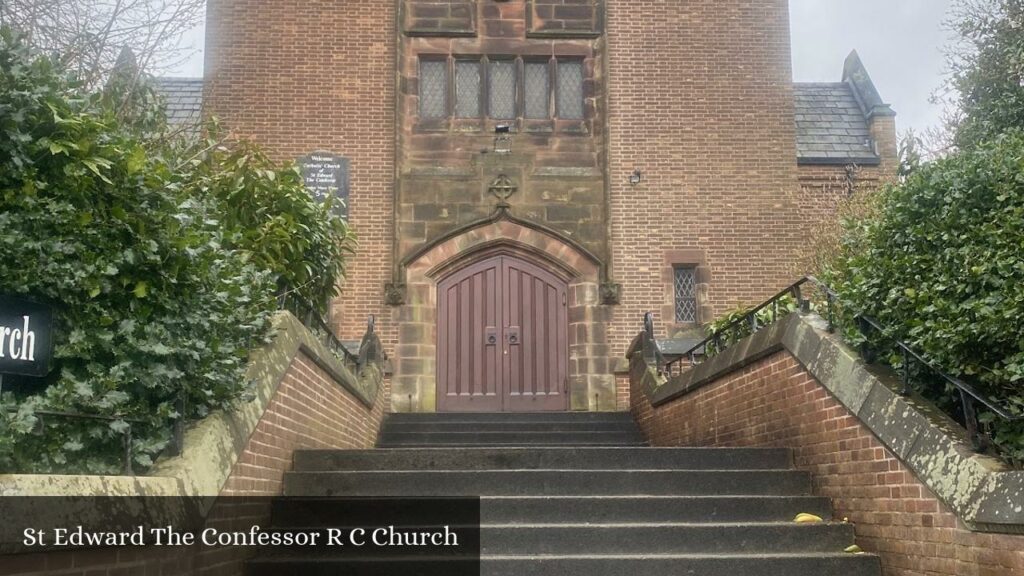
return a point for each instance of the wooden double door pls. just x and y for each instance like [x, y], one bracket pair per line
[502, 339]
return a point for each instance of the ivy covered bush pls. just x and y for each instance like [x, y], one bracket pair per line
[942, 265]
[162, 262]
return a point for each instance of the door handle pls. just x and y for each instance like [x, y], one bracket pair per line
[512, 335]
[491, 336]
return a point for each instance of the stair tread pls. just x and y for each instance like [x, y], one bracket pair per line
[752, 524]
[695, 449]
[573, 493]
[560, 470]
[629, 556]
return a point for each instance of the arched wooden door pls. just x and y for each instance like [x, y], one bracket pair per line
[502, 339]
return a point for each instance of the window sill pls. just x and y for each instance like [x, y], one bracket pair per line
[431, 125]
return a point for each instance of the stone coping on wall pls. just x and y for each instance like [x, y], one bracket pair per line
[987, 495]
[213, 445]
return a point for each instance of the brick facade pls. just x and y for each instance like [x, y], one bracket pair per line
[776, 403]
[299, 77]
[823, 187]
[701, 103]
[696, 96]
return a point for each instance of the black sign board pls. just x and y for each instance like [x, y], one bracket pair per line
[26, 337]
[326, 175]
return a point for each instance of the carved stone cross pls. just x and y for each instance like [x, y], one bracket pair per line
[502, 187]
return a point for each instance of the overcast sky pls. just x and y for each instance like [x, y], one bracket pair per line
[900, 42]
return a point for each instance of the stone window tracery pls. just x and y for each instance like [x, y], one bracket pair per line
[501, 89]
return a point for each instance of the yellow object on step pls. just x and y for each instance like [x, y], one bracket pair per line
[854, 550]
[805, 518]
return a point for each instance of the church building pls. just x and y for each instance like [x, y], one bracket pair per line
[528, 178]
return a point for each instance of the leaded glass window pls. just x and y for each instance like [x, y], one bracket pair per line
[502, 89]
[493, 91]
[570, 89]
[433, 89]
[467, 89]
[686, 294]
[536, 87]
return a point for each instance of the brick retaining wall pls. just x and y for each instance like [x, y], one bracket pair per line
[308, 410]
[775, 402]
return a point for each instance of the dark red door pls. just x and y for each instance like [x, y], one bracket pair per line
[502, 339]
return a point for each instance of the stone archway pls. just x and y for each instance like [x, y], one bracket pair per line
[591, 384]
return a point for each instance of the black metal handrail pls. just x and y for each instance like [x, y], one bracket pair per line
[970, 396]
[126, 434]
[750, 319]
[312, 319]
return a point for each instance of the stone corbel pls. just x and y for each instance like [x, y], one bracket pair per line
[394, 293]
[611, 293]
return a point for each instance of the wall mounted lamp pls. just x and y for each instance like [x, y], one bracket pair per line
[635, 177]
[503, 139]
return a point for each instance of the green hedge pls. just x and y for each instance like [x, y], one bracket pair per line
[162, 261]
[942, 264]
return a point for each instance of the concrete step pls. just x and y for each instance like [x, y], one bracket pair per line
[510, 438]
[508, 417]
[319, 512]
[609, 509]
[674, 538]
[510, 426]
[519, 444]
[618, 458]
[589, 565]
[548, 482]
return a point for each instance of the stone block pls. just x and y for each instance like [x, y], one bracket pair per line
[949, 468]
[439, 18]
[891, 419]
[567, 213]
[1000, 501]
[564, 18]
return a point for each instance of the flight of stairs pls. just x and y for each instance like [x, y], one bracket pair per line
[566, 494]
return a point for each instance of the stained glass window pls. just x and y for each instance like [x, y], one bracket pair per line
[570, 89]
[502, 89]
[535, 84]
[467, 89]
[433, 88]
[686, 294]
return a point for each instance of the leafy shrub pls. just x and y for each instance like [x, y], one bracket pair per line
[986, 65]
[268, 213]
[942, 265]
[162, 263]
[727, 334]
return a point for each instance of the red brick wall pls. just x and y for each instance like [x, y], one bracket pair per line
[776, 403]
[308, 411]
[304, 75]
[700, 100]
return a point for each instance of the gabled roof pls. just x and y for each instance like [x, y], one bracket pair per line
[184, 99]
[833, 119]
[830, 126]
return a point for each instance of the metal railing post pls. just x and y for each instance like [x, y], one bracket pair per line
[906, 372]
[126, 439]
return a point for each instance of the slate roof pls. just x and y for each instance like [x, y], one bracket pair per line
[831, 128]
[183, 97]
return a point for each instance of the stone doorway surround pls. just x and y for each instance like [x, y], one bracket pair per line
[591, 382]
